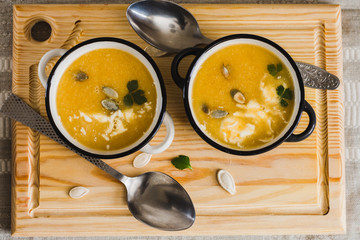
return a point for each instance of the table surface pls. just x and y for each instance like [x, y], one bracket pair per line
[351, 50]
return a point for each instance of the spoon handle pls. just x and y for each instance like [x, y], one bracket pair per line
[15, 108]
[316, 77]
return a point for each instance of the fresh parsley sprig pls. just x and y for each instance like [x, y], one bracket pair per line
[134, 95]
[274, 70]
[284, 94]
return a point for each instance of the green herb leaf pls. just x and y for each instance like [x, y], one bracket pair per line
[284, 94]
[280, 90]
[287, 94]
[132, 85]
[272, 69]
[283, 103]
[139, 92]
[139, 97]
[128, 100]
[181, 162]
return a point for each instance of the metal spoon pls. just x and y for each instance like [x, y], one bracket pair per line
[165, 25]
[154, 198]
[171, 28]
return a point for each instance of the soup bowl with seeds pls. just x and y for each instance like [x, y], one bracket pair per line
[106, 98]
[243, 94]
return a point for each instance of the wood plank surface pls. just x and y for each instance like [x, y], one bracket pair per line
[295, 188]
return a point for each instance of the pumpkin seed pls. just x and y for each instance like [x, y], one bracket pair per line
[141, 160]
[218, 114]
[81, 76]
[78, 192]
[237, 96]
[233, 92]
[110, 104]
[226, 181]
[225, 71]
[205, 108]
[110, 92]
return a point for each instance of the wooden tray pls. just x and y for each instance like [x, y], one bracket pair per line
[288, 190]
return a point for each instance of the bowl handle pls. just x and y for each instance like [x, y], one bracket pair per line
[310, 128]
[170, 133]
[44, 60]
[175, 65]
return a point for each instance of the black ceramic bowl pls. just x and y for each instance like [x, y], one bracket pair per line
[67, 57]
[201, 55]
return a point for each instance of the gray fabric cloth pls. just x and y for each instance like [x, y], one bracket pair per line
[351, 46]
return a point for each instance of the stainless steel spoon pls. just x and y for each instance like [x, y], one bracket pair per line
[154, 198]
[171, 28]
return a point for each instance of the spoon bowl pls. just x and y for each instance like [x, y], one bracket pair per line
[156, 199]
[165, 24]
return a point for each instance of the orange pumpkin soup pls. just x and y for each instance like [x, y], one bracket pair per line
[106, 99]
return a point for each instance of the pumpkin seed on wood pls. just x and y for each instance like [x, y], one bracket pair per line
[218, 114]
[141, 160]
[110, 104]
[110, 92]
[78, 192]
[205, 108]
[225, 71]
[237, 96]
[226, 181]
[81, 76]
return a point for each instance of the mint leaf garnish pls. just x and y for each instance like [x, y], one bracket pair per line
[283, 103]
[273, 70]
[181, 162]
[134, 95]
[284, 94]
[287, 94]
[139, 97]
[280, 90]
[128, 100]
[132, 85]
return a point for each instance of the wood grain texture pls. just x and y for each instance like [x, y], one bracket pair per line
[284, 191]
[322, 125]
[72, 40]
[34, 142]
